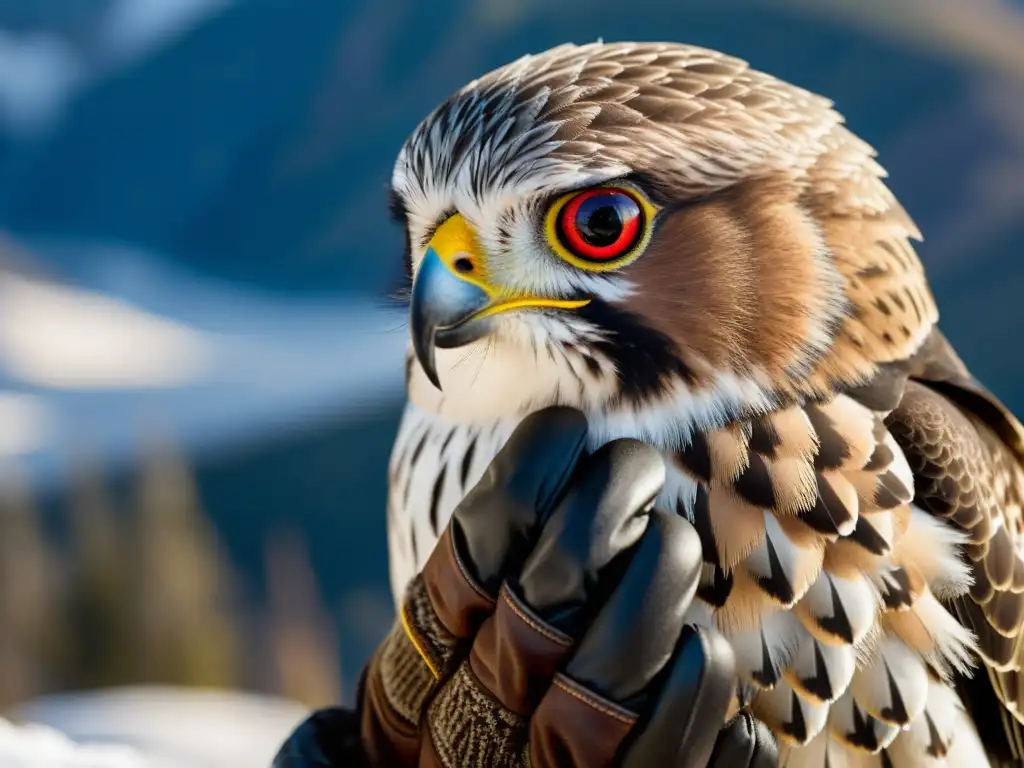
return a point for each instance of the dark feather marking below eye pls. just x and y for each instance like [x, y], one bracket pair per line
[646, 361]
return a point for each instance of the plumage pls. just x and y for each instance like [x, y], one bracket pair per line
[858, 495]
[821, 671]
[891, 685]
[840, 607]
[794, 718]
[766, 650]
[855, 728]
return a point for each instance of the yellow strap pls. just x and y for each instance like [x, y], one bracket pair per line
[417, 644]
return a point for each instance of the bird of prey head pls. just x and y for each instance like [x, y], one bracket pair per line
[638, 229]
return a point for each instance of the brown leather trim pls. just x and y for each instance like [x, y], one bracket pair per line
[573, 726]
[387, 738]
[429, 757]
[458, 602]
[515, 654]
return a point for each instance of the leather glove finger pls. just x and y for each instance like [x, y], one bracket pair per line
[489, 533]
[630, 672]
[486, 704]
[691, 705]
[745, 742]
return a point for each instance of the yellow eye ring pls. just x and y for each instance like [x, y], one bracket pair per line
[601, 228]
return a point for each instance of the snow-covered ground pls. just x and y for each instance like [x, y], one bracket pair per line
[39, 746]
[148, 727]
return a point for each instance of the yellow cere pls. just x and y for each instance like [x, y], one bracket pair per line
[455, 239]
[551, 232]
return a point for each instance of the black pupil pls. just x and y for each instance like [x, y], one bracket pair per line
[599, 219]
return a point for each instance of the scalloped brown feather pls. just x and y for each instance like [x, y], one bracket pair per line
[967, 473]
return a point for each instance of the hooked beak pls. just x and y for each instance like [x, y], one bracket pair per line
[443, 310]
[453, 303]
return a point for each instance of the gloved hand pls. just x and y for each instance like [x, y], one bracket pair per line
[547, 629]
[330, 738]
[745, 742]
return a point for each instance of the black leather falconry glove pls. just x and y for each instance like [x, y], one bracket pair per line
[546, 629]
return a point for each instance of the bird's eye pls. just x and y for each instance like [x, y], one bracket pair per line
[598, 229]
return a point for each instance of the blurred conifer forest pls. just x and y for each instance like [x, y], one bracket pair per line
[137, 588]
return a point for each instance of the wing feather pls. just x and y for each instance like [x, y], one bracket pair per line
[966, 451]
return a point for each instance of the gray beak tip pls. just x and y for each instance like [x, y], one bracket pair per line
[423, 345]
[432, 375]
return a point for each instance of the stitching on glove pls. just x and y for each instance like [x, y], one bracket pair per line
[603, 706]
[534, 623]
[465, 571]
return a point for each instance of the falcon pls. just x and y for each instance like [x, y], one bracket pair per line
[704, 257]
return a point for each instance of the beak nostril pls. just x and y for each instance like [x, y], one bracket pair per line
[463, 265]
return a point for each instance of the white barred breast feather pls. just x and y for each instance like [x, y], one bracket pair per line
[433, 465]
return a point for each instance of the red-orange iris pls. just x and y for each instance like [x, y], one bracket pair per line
[601, 224]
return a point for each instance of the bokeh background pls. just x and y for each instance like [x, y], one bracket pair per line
[200, 366]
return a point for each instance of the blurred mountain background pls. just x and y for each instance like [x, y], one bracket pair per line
[200, 364]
